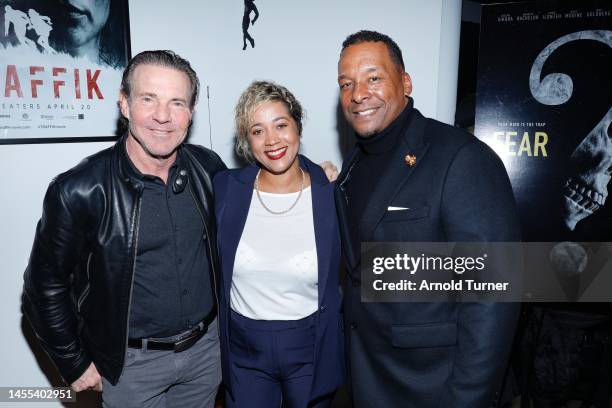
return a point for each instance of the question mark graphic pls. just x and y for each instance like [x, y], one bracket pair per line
[586, 190]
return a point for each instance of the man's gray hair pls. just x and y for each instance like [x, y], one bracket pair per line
[163, 58]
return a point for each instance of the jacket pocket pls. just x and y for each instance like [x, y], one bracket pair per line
[412, 213]
[424, 336]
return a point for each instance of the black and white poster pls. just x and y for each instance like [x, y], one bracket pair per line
[61, 63]
[545, 106]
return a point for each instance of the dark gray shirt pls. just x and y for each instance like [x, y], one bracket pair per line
[172, 286]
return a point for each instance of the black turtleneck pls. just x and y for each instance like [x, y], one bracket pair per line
[366, 174]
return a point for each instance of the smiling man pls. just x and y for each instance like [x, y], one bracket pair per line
[121, 283]
[413, 179]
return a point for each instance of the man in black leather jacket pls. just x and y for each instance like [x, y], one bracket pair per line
[121, 280]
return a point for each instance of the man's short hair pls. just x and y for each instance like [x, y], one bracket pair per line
[257, 93]
[374, 36]
[163, 58]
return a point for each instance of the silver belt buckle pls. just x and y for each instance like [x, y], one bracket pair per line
[188, 341]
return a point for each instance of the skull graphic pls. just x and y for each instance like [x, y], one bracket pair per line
[586, 189]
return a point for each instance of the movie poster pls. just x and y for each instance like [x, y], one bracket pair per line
[544, 103]
[61, 63]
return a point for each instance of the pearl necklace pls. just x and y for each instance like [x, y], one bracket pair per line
[283, 211]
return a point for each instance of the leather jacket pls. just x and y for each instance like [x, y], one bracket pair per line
[78, 282]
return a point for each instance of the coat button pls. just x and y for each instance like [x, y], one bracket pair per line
[353, 325]
[322, 308]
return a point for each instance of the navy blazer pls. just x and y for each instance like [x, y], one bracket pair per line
[436, 354]
[233, 193]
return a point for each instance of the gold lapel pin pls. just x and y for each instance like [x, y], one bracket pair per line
[410, 160]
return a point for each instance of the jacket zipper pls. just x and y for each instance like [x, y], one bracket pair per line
[210, 252]
[135, 228]
[87, 287]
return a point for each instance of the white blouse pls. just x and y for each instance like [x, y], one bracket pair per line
[275, 271]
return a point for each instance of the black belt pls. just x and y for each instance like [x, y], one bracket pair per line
[182, 343]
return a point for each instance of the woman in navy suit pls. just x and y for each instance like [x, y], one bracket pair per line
[278, 238]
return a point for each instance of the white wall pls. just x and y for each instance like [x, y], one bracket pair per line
[297, 45]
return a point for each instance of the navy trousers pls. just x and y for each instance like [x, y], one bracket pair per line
[272, 363]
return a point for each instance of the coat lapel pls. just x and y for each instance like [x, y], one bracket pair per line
[234, 218]
[395, 176]
[340, 197]
[323, 214]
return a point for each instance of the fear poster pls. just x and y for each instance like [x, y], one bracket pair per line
[61, 63]
[544, 104]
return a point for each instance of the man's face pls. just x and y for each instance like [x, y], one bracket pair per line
[85, 19]
[158, 109]
[373, 89]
